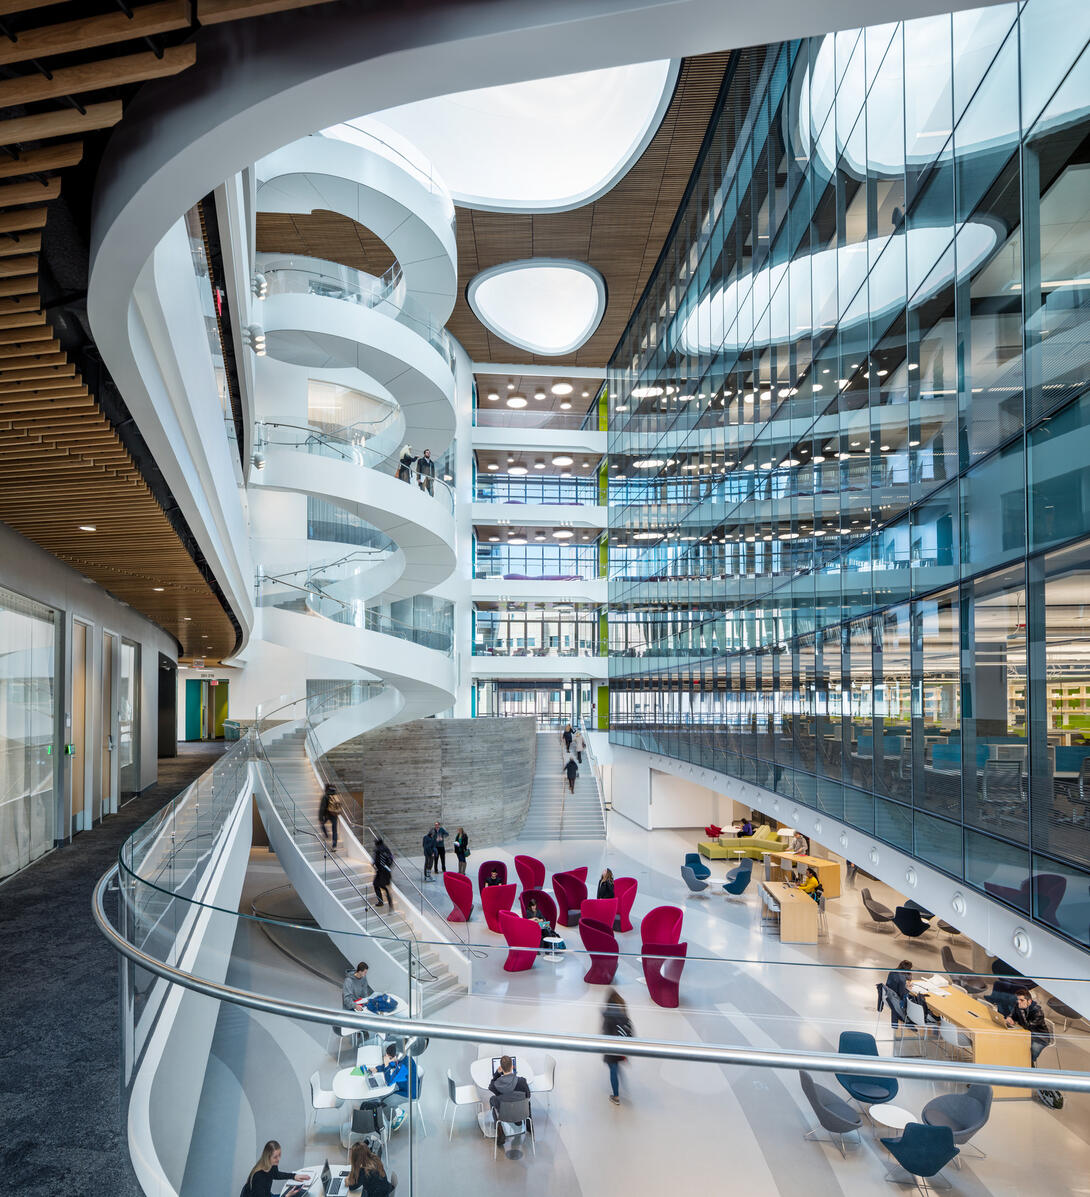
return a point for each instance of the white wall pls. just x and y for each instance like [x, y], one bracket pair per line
[675, 802]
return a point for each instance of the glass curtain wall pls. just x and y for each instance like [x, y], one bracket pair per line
[850, 515]
[530, 630]
[28, 763]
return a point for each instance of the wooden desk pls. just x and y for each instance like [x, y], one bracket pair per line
[1005, 1047]
[798, 913]
[828, 871]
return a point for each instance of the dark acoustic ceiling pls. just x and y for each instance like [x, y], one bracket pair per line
[621, 234]
[74, 475]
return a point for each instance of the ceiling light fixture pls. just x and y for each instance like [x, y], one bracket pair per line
[539, 394]
[539, 464]
[516, 401]
[561, 388]
[563, 460]
[562, 534]
[492, 466]
[88, 527]
[492, 396]
[518, 470]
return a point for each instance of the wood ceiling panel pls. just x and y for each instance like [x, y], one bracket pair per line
[321, 234]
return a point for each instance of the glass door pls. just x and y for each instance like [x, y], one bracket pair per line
[105, 799]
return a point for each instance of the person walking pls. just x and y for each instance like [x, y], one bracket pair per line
[571, 771]
[615, 1021]
[580, 745]
[383, 861]
[461, 848]
[568, 736]
[429, 853]
[440, 833]
[329, 811]
[425, 472]
[405, 464]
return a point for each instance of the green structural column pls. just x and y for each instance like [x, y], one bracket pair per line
[602, 706]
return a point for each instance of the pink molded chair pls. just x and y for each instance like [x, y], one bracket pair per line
[495, 898]
[580, 873]
[545, 904]
[661, 925]
[604, 910]
[523, 938]
[571, 893]
[625, 890]
[602, 945]
[662, 967]
[486, 868]
[460, 892]
[531, 872]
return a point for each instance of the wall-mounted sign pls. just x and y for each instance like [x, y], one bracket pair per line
[198, 662]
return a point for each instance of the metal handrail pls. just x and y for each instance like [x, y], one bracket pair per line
[831, 1062]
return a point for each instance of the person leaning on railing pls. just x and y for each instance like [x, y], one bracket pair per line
[425, 472]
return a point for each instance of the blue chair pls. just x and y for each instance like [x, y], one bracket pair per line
[695, 883]
[910, 922]
[922, 1151]
[738, 885]
[699, 868]
[745, 865]
[867, 1090]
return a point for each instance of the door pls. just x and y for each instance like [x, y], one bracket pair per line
[217, 704]
[128, 739]
[105, 800]
[194, 709]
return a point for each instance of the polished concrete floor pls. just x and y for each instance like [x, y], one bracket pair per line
[707, 1128]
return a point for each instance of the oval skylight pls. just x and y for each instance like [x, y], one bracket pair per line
[796, 298]
[549, 306]
[546, 145]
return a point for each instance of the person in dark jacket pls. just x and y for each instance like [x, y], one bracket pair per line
[260, 1181]
[493, 878]
[461, 848]
[440, 833]
[1029, 1015]
[746, 828]
[425, 471]
[569, 735]
[329, 811]
[897, 982]
[503, 1085]
[605, 884]
[355, 988]
[405, 464]
[366, 1175]
[430, 848]
[615, 1021]
[571, 772]
[383, 861]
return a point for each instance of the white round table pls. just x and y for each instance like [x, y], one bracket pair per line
[400, 1010]
[351, 1086]
[481, 1070]
[891, 1117]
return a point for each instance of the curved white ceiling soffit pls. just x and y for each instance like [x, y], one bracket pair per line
[832, 288]
[545, 145]
[548, 306]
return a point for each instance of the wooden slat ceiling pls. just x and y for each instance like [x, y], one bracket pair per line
[63, 466]
[621, 234]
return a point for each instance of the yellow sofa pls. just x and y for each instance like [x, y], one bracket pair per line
[763, 839]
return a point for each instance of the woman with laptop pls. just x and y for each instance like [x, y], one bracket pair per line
[260, 1181]
[367, 1177]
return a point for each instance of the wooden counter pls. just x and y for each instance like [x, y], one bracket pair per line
[1005, 1047]
[828, 871]
[798, 913]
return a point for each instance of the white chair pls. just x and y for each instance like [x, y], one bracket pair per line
[369, 1056]
[459, 1095]
[544, 1076]
[321, 1099]
[918, 1017]
[958, 1042]
[341, 1034]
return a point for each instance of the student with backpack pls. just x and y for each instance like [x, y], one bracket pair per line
[329, 811]
[382, 859]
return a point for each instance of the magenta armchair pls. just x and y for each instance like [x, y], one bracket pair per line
[495, 898]
[571, 893]
[523, 938]
[625, 890]
[662, 967]
[580, 872]
[545, 904]
[531, 872]
[661, 925]
[460, 892]
[486, 868]
[604, 910]
[601, 943]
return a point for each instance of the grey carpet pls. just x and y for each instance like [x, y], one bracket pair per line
[59, 1079]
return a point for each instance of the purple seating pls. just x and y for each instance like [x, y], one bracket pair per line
[495, 898]
[523, 938]
[662, 967]
[486, 868]
[661, 925]
[603, 910]
[601, 943]
[545, 904]
[531, 872]
[625, 890]
[571, 893]
[460, 892]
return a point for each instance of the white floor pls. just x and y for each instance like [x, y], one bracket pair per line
[704, 1128]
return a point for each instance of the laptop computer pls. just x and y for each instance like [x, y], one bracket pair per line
[496, 1064]
[334, 1186]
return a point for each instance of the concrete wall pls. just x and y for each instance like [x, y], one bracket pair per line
[472, 773]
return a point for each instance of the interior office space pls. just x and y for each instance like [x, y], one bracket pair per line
[710, 380]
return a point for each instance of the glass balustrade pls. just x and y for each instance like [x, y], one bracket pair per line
[541, 562]
[559, 492]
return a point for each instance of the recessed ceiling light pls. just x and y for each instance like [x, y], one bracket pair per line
[88, 528]
[566, 474]
[188, 618]
[565, 405]
[493, 396]
[516, 540]
[492, 466]
[519, 470]
[540, 536]
[516, 401]
[561, 388]
[586, 394]
[510, 386]
[562, 534]
[647, 536]
[648, 463]
[539, 464]
[646, 392]
[159, 589]
[539, 394]
[562, 459]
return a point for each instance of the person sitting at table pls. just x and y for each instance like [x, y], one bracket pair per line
[811, 883]
[605, 884]
[897, 980]
[493, 878]
[265, 1171]
[746, 828]
[504, 1084]
[1029, 1015]
[356, 988]
[366, 1175]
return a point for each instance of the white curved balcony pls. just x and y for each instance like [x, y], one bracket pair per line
[374, 185]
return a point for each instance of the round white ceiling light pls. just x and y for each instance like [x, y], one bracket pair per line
[549, 306]
[561, 388]
[516, 401]
[562, 459]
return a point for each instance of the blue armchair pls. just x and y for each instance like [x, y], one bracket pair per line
[922, 1151]
[910, 922]
[696, 884]
[699, 868]
[867, 1090]
[738, 885]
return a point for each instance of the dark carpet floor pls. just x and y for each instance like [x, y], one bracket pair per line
[59, 1080]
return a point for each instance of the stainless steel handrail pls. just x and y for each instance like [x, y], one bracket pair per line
[898, 1066]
